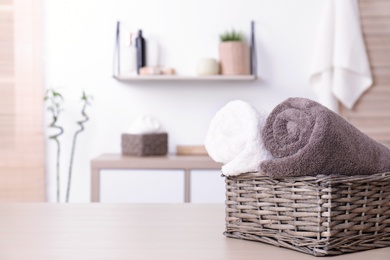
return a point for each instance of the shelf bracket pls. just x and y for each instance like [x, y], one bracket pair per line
[253, 56]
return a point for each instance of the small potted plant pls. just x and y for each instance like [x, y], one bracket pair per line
[234, 54]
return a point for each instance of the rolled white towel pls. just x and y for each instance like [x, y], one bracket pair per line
[145, 124]
[234, 138]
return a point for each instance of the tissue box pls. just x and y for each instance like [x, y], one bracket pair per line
[145, 144]
[321, 215]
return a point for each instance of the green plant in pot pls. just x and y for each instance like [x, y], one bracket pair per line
[234, 54]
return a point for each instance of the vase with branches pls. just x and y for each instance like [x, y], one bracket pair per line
[54, 100]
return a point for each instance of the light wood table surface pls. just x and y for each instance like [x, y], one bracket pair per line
[169, 162]
[133, 231]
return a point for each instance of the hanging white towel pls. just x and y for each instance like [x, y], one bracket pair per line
[340, 69]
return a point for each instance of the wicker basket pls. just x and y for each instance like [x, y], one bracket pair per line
[323, 215]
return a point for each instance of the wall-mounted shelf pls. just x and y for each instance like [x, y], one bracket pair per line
[131, 78]
[119, 75]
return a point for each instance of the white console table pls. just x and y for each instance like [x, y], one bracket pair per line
[171, 162]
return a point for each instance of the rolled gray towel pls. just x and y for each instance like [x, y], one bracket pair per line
[307, 138]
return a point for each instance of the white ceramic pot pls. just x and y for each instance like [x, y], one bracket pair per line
[207, 67]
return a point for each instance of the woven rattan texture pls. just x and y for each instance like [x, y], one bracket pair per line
[323, 215]
[145, 144]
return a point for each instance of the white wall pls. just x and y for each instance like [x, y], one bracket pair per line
[79, 43]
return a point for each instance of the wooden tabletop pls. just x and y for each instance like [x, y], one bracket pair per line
[123, 231]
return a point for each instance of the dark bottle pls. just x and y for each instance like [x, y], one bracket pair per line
[141, 51]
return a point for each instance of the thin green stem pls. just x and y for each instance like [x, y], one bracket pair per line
[55, 138]
[81, 124]
[58, 169]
